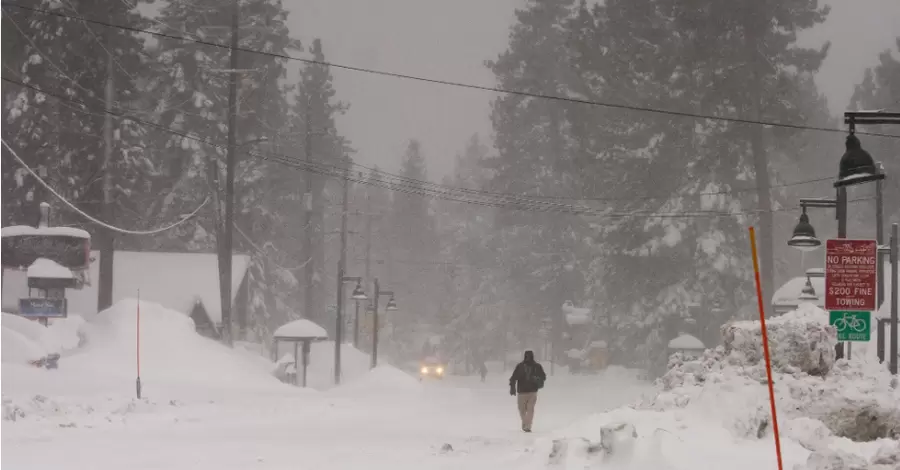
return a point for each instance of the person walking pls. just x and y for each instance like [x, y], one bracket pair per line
[482, 369]
[527, 378]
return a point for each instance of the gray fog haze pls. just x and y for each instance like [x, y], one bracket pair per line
[451, 40]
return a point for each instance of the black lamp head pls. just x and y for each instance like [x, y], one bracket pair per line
[804, 237]
[857, 166]
[808, 292]
[358, 293]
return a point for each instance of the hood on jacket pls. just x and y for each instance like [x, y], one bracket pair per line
[529, 356]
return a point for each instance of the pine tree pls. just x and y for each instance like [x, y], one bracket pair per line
[536, 157]
[313, 120]
[61, 139]
[414, 246]
[192, 83]
[880, 89]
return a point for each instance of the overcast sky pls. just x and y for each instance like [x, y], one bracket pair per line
[451, 39]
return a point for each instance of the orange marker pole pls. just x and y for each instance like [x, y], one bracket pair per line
[765, 338]
[138, 345]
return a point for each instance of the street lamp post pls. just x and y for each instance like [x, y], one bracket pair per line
[358, 294]
[390, 307]
[857, 167]
[892, 251]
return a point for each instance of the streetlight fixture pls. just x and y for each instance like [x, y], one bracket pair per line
[391, 306]
[358, 294]
[857, 166]
[808, 293]
[804, 237]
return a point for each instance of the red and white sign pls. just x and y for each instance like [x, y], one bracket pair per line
[850, 274]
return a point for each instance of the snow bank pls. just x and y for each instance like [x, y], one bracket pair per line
[19, 348]
[800, 340]
[686, 341]
[28, 337]
[382, 382]
[175, 360]
[822, 405]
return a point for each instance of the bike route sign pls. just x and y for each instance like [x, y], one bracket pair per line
[851, 326]
[850, 275]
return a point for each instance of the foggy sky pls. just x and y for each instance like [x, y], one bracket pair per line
[451, 39]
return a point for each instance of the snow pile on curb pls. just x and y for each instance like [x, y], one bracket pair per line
[29, 340]
[798, 340]
[383, 380]
[176, 364]
[823, 405]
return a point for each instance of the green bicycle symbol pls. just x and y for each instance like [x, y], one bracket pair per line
[848, 320]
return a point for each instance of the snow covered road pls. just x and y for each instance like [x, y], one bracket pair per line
[400, 427]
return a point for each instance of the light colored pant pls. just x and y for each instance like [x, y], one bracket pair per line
[526, 408]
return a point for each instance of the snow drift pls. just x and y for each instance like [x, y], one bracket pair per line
[800, 340]
[174, 358]
[822, 404]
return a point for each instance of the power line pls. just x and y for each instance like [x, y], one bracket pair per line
[444, 193]
[90, 217]
[460, 84]
[594, 198]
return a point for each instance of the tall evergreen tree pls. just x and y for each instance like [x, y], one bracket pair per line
[313, 121]
[414, 246]
[880, 89]
[537, 157]
[60, 139]
[192, 82]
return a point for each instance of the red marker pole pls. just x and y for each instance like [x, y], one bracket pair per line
[138, 345]
[765, 339]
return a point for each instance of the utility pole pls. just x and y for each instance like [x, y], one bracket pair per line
[107, 248]
[368, 274]
[342, 268]
[226, 249]
[310, 266]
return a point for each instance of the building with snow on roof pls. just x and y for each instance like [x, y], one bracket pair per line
[184, 282]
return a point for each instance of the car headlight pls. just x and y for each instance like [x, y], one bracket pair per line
[440, 370]
[424, 370]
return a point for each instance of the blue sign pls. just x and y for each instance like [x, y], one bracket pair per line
[42, 308]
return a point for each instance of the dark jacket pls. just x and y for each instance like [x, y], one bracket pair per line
[519, 380]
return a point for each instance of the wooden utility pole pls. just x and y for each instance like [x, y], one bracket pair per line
[342, 268]
[108, 240]
[368, 275]
[226, 246]
[309, 265]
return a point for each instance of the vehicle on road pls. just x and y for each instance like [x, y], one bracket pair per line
[432, 368]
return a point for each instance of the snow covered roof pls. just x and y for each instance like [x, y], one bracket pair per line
[686, 341]
[176, 281]
[789, 293]
[17, 230]
[49, 269]
[301, 328]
